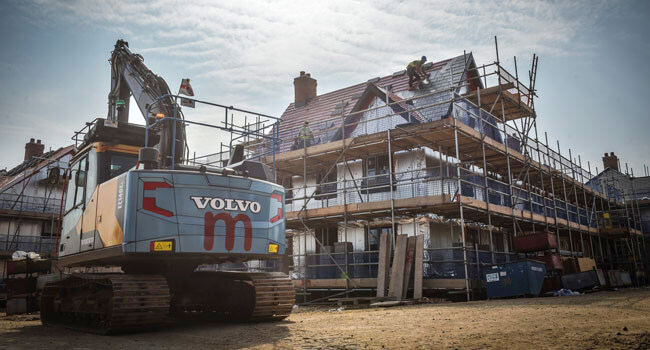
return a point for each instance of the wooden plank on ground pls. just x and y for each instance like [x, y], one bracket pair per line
[384, 264]
[397, 271]
[408, 266]
[419, 259]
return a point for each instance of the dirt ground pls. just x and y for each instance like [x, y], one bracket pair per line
[603, 320]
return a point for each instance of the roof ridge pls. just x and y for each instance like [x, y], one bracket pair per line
[445, 61]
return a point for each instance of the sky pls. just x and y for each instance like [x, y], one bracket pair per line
[592, 81]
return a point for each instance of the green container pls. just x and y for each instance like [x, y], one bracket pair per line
[521, 278]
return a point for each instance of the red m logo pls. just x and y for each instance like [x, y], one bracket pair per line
[211, 220]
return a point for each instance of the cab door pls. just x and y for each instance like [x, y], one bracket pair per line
[75, 203]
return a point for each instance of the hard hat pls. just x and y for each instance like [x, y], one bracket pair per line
[424, 58]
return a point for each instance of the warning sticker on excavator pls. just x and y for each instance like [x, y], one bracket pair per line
[162, 246]
[273, 248]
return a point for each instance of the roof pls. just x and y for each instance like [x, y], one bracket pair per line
[353, 98]
[629, 185]
[33, 165]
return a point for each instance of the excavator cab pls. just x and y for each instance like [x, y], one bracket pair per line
[107, 151]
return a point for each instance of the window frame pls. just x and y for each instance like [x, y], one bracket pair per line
[329, 190]
[380, 181]
[379, 230]
[72, 181]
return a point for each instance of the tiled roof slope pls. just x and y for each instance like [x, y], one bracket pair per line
[325, 106]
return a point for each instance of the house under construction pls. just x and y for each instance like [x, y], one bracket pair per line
[30, 202]
[459, 161]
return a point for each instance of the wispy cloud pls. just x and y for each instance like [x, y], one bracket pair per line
[248, 52]
[254, 40]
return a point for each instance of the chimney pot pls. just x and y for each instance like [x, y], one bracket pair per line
[31, 140]
[38, 141]
[606, 154]
[302, 72]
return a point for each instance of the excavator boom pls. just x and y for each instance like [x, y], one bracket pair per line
[131, 77]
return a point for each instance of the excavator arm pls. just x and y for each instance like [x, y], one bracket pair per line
[131, 77]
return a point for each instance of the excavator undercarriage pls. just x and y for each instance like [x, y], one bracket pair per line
[122, 303]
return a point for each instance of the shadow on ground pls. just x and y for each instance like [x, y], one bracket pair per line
[27, 332]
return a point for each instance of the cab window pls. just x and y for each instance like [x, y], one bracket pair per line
[76, 184]
[114, 164]
[120, 163]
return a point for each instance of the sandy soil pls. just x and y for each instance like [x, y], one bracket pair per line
[604, 320]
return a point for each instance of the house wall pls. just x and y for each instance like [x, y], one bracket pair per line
[27, 228]
[351, 186]
[443, 235]
[301, 244]
[29, 237]
[356, 235]
[299, 191]
[377, 120]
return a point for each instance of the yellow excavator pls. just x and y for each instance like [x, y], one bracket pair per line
[132, 202]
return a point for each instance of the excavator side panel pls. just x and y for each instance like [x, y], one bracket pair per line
[203, 213]
[110, 212]
[207, 215]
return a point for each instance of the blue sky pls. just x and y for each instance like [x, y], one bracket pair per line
[594, 94]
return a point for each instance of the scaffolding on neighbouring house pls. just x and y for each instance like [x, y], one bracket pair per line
[30, 203]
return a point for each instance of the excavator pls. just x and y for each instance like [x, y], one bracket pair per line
[132, 202]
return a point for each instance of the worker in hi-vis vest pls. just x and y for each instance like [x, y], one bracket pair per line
[306, 136]
[415, 71]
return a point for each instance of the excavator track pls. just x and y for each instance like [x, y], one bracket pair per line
[106, 303]
[241, 296]
[275, 296]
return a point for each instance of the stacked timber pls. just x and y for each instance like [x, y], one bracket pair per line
[406, 270]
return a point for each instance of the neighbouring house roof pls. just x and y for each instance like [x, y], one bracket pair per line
[31, 166]
[621, 184]
[322, 109]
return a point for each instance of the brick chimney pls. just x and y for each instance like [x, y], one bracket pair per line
[304, 88]
[610, 161]
[33, 149]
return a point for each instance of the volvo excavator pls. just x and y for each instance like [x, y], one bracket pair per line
[131, 202]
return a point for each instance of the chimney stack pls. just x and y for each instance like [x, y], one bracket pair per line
[33, 149]
[304, 88]
[610, 161]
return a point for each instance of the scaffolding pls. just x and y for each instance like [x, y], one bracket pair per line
[623, 227]
[21, 202]
[487, 175]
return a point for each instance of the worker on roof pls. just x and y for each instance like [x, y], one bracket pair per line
[305, 135]
[415, 71]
